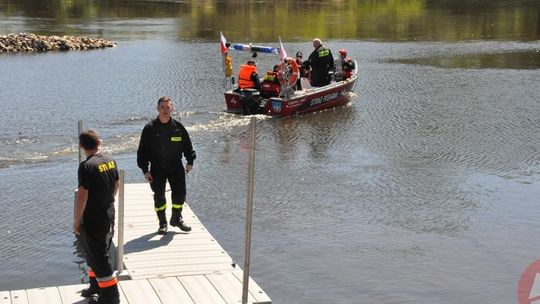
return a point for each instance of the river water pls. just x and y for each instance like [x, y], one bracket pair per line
[424, 189]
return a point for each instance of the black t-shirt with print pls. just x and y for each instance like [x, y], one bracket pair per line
[98, 174]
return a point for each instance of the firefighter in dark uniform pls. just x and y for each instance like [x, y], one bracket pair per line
[321, 62]
[163, 142]
[94, 217]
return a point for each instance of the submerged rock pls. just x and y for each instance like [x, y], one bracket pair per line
[27, 42]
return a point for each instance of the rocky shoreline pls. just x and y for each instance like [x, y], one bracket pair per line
[27, 43]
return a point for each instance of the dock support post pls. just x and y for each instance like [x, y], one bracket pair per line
[249, 212]
[120, 251]
[78, 147]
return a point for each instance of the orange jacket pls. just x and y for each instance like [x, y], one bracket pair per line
[244, 76]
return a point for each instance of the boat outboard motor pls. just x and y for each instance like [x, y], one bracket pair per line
[251, 101]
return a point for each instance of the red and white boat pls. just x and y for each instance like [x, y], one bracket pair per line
[289, 101]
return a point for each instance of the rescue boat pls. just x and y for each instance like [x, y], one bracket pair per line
[290, 99]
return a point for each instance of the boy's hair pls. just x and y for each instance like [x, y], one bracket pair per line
[89, 139]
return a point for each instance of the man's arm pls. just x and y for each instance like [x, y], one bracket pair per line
[256, 80]
[189, 153]
[116, 187]
[80, 205]
[142, 151]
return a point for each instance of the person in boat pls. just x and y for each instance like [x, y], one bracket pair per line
[94, 217]
[304, 69]
[344, 66]
[303, 65]
[248, 77]
[270, 85]
[163, 142]
[321, 62]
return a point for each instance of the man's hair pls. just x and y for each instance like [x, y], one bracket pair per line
[89, 139]
[317, 42]
[163, 99]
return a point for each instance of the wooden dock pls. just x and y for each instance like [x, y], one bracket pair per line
[179, 267]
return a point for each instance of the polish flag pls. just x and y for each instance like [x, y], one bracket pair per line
[223, 44]
[282, 52]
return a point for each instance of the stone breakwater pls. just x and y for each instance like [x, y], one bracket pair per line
[24, 42]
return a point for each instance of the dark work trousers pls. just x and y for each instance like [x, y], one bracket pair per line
[96, 236]
[177, 181]
[319, 78]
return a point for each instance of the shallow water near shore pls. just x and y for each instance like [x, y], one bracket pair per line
[424, 189]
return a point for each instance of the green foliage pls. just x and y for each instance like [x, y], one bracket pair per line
[301, 20]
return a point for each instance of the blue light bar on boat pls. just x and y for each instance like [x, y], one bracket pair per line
[255, 48]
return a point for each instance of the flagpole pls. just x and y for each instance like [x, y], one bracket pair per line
[282, 52]
[223, 55]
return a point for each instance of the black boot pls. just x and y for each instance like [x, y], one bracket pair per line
[162, 223]
[92, 290]
[176, 221]
[109, 295]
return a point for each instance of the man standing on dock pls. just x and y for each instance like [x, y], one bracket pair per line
[163, 141]
[94, 217]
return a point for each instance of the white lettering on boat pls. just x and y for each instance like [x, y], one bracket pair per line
[323, 99]
[294, 103]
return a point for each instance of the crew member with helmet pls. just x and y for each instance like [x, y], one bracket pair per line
[321, 62]
[344, 65]
[270, 85]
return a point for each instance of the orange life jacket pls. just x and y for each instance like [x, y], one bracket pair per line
[244, 76]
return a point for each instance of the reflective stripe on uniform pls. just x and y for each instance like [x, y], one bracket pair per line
[324, 53]
[91, 273]
[163, 207]
[178, 206]
[107, 281]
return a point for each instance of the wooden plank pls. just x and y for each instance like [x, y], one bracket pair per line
[45, 295]
[228, 287]
[72, 294]
[141, 229]
[204, 249]
[167, 271]
[153, 242]
[123, 299]
[171, 262]
[201, 290]
[19, 297]
[257, 292]
[171, 291]
[139, 292]
[5, 297]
